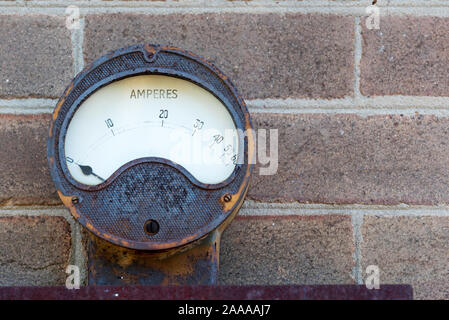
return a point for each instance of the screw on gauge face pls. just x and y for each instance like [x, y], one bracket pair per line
[151, 227]
[75, 200]
[227, 197]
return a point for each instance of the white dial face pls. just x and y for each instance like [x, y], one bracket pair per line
[151, 116]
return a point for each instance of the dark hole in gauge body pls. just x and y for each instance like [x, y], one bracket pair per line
[151, 227]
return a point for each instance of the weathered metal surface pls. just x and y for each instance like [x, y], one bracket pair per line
[298, 292]
[193, 264]
[150, 188]
[158, 191]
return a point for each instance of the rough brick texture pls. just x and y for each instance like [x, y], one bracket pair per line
[34, 250]
[266, 55]
[35, 56]
[322, 159]
[349, 159]
[301, 250]
[407, 56]
[24, 173]
[412, 250]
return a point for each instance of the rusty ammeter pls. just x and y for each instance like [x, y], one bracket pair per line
[150, 150]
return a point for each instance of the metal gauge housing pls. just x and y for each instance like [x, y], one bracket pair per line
[150, 147]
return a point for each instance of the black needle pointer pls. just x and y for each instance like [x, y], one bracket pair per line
[87, 170]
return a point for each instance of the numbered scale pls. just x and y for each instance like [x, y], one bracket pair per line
[150, 149]
[151, 116]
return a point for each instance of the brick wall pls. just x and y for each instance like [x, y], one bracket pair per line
[362, 115]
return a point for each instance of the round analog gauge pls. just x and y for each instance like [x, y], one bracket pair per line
[149, 148]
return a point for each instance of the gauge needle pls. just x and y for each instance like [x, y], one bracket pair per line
[87, 170]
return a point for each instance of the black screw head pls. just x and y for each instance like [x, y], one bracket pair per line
[151, 227]
[227, 197]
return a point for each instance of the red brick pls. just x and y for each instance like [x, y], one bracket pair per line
[266, 55]
[34, 250]
[406, 56]
[409, 250]
[350, 159]
[24, 174]
[287, 250]
[322, 159]
[35, 56]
